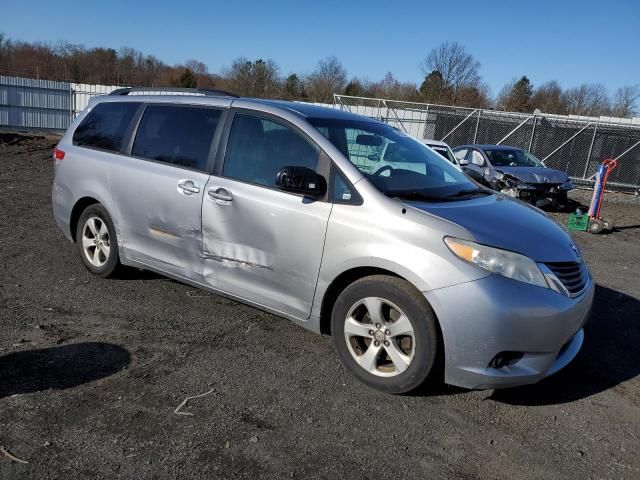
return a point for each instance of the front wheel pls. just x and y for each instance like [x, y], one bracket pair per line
[97, 242]
[385, 333]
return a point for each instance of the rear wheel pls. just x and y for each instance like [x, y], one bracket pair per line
[97, 242]
[385, 333]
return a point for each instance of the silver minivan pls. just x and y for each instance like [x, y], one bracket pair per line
[418, 273]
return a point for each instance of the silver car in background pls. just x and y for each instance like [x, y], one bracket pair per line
[416, 272]
[443, 149]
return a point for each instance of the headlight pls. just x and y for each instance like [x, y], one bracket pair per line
[501, 262]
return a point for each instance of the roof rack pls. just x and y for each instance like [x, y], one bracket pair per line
[202, 91]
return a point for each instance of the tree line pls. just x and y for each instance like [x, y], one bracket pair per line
[451, 77]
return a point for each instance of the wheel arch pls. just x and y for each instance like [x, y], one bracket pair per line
[351, 275]
[77, 210]
[342, 281]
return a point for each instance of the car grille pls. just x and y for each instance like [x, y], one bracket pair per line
[573, 275]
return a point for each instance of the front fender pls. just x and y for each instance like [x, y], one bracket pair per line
[408, 244]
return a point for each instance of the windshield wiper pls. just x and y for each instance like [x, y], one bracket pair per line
[413, 195]
[470, 191]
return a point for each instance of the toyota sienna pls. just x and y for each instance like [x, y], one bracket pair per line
[416, 272]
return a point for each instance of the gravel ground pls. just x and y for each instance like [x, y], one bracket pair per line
[91, 371]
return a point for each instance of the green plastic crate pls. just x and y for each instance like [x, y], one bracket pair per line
[578, 222]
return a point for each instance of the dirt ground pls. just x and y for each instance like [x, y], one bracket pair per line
[91, 371]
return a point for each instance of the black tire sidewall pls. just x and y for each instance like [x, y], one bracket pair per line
[421, 317]
[113, 262]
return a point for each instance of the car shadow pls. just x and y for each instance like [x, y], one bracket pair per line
[59, 367]
[609, 356]
[625, 227]
[132, 273]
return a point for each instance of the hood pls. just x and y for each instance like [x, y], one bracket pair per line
[535, 174]
[509, 224]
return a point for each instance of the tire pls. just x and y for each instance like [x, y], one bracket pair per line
[107, 261]
[561, 202]
[608, 224]
[595, 225]
[380, 366]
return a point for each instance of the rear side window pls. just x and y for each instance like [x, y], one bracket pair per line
[258, 148]
[177, 135]
[105, 126]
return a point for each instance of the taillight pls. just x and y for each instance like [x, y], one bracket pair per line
[58, 154]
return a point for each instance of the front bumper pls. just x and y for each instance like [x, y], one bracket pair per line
[543, 195]
[482, 318]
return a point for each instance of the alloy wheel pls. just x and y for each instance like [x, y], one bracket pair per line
[379, 337]
[95, 241]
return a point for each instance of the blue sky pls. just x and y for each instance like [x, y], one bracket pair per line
[573, 42]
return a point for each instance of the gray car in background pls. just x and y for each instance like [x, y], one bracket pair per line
[515, 172]
[338, 222]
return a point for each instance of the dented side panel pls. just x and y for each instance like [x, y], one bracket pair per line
[160, 223]
[264, 245]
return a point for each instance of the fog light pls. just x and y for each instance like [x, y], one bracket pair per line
[505, 359]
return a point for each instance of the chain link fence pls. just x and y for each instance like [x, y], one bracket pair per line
[575, 145]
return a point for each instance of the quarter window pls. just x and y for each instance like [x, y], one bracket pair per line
[258, 148]
[106, 125]
[341, 191]
[177, 135]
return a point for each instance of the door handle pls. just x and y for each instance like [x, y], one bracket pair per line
[188, 187]
[220, 194]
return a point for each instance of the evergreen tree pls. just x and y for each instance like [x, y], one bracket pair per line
[292, 87]
[432, 88]
[187, 79]
[516, 96]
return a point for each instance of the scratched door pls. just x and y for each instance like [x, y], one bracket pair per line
[158, 188]
[264, 245]
[261, 243]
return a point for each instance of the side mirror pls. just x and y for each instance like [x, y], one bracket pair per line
[301, 180]
[463, 162]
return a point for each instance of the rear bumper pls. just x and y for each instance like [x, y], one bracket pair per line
[62, 203]
[482, 318]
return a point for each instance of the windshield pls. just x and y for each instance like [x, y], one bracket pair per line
[397, 164]
[512, 158]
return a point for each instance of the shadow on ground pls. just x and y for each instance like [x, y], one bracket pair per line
[609, 356]
[60, 367]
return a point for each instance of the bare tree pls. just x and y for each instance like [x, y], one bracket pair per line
[478, 96]
[625, 101]
[588, 99]
[502, 99]
[392, 88]
[549, 98]
[328, 78]
[254, 79]
[459, 70]
[266, 78]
